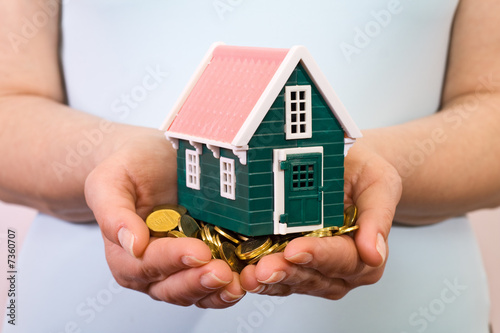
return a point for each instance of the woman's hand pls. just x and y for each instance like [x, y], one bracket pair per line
[121, 191]
[332, 266]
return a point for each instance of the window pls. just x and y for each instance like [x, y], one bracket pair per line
[227, 178]
[303, 177]
[192, 169]
[298, 112]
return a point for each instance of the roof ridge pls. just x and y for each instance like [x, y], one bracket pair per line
[250, 52]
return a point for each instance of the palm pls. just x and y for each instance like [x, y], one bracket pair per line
[121, 191]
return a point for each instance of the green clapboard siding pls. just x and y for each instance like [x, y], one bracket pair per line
[252, 211]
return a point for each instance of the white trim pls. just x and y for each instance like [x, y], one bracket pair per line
[215, 150]
[348, 143]
[295, 55]
[240, 142]
[173, 141]
[213, 145]
[192, 169]
[204, 141]
[279, 189]
[242, 155]
[266, 100]
[227, 178]
[330, 96]
[198, 146]
[307, 122]
[191, 83]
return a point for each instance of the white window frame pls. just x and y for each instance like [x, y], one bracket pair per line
[295, 127]
[192, 169]
[227, 178]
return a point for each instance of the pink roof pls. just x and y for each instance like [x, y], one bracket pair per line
[227, 91]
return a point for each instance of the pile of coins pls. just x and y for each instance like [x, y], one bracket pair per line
[235, 249]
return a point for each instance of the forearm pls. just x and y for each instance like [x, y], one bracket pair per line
[48, 149]
[448, 161]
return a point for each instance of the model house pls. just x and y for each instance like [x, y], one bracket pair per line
[261, 138]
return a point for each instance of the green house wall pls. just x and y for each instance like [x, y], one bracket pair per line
[252, 211]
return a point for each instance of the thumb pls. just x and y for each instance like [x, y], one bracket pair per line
[376, 206]
[111, 196]
[371, 238]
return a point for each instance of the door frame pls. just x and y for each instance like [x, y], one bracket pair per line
[280, 155]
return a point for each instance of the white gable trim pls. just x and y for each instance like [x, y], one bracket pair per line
[329, 95]
[295, 55]
[239, 145]
[187, 90]
[214, 146]
[265, 101]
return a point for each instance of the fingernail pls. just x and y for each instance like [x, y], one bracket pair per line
[257, 290]
[228, 297]
[275, 278]
[126, 239]
[211, 281]
[300, 258]
[381, 247]
[193, 261]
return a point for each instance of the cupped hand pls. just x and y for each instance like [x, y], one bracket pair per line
[332, 266]
[138, 174]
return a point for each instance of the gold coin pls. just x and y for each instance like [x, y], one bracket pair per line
[188, 225]
[160, 222]
[217, 240]
[319, 233]
[332, 228]
[346, 230]
[229, 235]
[350, 216]
[281, 247]
[206, 234]
[226, 251]
[243, 238]
[264, 253]
[201, 235]
[253, 247]
[175, 234]
[214, 249]
[209, 233]
[178, 208]
[323, 232]
[197, 234]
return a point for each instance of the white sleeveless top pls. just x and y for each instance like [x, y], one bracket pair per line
[129, 60]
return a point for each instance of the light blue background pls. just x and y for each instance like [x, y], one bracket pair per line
[110, 48]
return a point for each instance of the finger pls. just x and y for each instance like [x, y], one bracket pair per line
[375, 187]
[280, 290]
[111, 197]
[225, 297]
[276, 270]
[376, 206]
[249, 281]
[257, 278]
[188, 286]
[165, 256]
[278, 277]
[251, 284]
[333, 257]
[267, 277]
